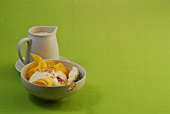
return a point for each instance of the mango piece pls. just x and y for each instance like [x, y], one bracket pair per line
[50, 64]
[44, 81]
[31, 72]
[42, 65]
[61, 67]
[36, 62]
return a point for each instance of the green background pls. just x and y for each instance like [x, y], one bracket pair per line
[124, 45]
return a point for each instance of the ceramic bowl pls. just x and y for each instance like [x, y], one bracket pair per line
[54, 93]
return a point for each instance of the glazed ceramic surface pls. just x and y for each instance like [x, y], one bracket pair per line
[54, 93]
[42, 41]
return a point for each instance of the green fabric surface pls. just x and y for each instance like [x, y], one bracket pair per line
[124, 45]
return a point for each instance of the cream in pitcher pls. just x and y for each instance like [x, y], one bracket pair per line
[42, 41]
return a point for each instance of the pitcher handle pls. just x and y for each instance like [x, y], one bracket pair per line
[20, 43]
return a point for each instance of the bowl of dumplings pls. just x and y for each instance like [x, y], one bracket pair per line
[52, 80]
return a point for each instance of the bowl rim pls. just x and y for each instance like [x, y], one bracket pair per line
[54, 86]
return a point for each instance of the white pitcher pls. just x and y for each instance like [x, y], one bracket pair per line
[42, 41]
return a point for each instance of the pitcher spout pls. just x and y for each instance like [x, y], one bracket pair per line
[52, 29]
